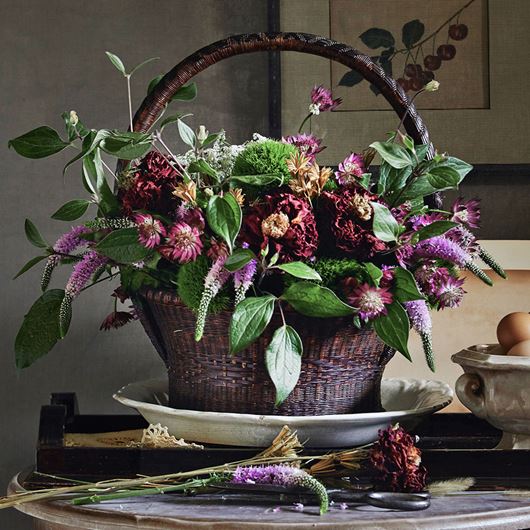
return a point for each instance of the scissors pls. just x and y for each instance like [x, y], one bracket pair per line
[380, 499]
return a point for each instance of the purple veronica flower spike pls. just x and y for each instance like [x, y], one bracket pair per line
[243, 280]
[420, 319]
[83, 271]
[442, 248]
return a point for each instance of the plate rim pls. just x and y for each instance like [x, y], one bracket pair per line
[292, 420]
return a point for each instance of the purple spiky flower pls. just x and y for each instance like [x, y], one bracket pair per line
[308, 144]
[322, 100]
[466, 212]
[449, 293]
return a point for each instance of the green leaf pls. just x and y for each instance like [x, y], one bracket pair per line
[153, 83]
[238, 259]
[249, 320]
[299, 269]
[72, 130]
[71, 210]
[186, 133]
[374, 272]
[408, 142]
[397, 178]
[351, 78]
[258, 180]
[405, 286]
[385, 226]
[393, 328]
[443, 178]
[412, 32]
[396, 155]
[377, 38]
[420, 187]
[31, 263]
[437, 228]
[117, 62]
[38, 143]
[384, 171]
[421, 151]
[461, 167]
[127, 146]
[143, 63]
[40, 329]
[283, 358]
[123, 246]
[313, 300]
[201, 166]
[185, 93]
[211, 138]
[224, 217]
[33, 235]
[172, 119]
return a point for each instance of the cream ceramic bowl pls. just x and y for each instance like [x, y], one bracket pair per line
[497, 388]
[406, 401]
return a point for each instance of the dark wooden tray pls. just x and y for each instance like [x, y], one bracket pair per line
[453, 445]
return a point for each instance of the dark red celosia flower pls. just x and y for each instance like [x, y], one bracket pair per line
[116, 320]
[397, 462]
[344, 225]
[151, 187]
[120, 293]
[284, 222]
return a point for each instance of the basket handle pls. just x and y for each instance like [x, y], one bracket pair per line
[155, 102]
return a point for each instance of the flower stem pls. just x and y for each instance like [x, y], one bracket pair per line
[304, 122]
[128, 77]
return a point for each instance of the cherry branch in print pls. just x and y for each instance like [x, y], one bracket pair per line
[423, 57]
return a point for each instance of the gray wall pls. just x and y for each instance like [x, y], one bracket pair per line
[53, 60]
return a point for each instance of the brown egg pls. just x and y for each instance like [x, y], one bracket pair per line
[512, 329]
[521, 349]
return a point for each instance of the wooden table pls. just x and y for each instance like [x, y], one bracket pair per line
[234, 512]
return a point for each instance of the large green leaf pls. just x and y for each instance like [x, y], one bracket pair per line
[394, 154]
[313, 300]
[393, 328]
[405, 287]
[38, 143]
[283, 359]
[127, 146]
[437, 228]
[122, 246]
[186, 133]
[257, 180]
[238, 259]
[249, 320]
[72, 210]
[40, 329]
[385, 226]
[224, 217]
[443, 178]
[33, 235]
[300, 270]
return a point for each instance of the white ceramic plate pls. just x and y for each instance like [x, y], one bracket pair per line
[406, 401]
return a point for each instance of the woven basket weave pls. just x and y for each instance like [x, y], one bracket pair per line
[341, 366]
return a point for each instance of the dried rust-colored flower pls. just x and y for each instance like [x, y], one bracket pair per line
[187, 191]
[361, 207]
[310, 182]
[298, 163]
[275, 225]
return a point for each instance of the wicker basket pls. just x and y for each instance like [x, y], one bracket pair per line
[342, 366]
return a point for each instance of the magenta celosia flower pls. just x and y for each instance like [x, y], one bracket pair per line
[183, 243]
[419, 315]
[350, 170]
[83, 271]
[307, 144]
[441, 248]
[449, 293]
[322, 100]
[369, 300]
[466, 212]
[150, 230]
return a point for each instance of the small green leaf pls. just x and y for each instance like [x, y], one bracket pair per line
[187, 134]
[224, 217]
[374, 272]
[238, 259]
[153, 83]
[313, 300]
[393, 328]
[117, 62]
[408, 142]
[185, 93]
[443, 178]
[437, 228]
[72, 210]
[405, 286]
[172, 119]
[377, 38]
[257, 180]
[33, 235]
[201, 166]
[421, 151]
[351, 78]
[38, 143]
[127, 146]
[40, 329]
[299, 269]
[143, 63]
[396, 155]
[31, 263]
[412, 32]
[123, 246]
[461, 167]
[249, 320]
[385, 226]
[283, 358]
[211, 138]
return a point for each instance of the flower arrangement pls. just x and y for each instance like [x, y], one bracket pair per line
[256, 227]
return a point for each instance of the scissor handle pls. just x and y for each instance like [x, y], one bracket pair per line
[399, 501]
